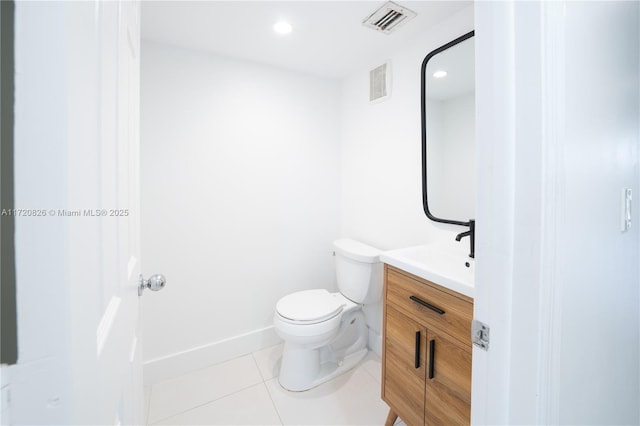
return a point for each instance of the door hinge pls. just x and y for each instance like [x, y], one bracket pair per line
[480, 334]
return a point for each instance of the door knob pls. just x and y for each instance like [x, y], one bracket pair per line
[155, 282]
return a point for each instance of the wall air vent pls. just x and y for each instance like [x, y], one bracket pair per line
[379, 83]
[388, 17]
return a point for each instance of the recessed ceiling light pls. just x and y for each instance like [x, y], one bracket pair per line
[282, 27]
[440, 74]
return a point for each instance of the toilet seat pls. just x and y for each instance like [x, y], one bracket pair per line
[309, 306]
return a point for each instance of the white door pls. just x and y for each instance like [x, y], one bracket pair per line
[557, 278]
[78, 258]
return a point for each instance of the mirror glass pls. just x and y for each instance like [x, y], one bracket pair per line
[448, 126]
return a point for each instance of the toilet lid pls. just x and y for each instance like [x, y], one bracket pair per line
[309, 306]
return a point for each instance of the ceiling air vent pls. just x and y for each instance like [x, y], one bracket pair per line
[388, 17]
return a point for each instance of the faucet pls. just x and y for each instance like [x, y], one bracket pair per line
[471, 233]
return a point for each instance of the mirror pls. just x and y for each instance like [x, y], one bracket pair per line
[448, 132]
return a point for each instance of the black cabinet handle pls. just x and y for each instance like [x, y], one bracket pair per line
[432, 354]
[426, 305]
[417, 355]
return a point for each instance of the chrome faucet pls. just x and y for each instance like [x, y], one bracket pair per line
[471, 233]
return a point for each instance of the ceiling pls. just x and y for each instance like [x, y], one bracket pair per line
[328, 38]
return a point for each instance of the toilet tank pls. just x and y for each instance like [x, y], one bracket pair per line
[358, 271]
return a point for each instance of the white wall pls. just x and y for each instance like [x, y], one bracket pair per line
[240, 178]
[381, 150]
[381, 192]
[600, 352]
[247, 172]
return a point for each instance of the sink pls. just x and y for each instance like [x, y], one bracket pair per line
[435, 263]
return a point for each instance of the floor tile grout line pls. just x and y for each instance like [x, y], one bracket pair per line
[201, 369]
[352, 370]
[264, 382]
[255, 361]
[206, 403]
[275, 407]
[193, 373]
[147, 421]
[370, 373]
[147, 408]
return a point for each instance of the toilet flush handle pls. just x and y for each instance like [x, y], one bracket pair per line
[155, 282]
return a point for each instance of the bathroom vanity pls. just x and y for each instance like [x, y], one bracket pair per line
[426, 355]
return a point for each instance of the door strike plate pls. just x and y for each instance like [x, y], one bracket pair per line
[480, 334]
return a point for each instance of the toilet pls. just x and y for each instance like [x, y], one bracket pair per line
[325, 333]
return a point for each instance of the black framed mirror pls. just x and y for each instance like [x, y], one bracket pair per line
[448, 132]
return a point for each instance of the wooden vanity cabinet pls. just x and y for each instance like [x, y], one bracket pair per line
[403, 385]
[426, 356]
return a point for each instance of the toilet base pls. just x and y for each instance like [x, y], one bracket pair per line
[297, 382]
[303, 368]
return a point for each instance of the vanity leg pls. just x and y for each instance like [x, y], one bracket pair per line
[391, 418]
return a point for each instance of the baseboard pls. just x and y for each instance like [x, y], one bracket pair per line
[167, 367]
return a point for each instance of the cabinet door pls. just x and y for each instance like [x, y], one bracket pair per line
[404, 367]
[448, 393]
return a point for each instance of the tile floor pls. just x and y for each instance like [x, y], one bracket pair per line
[245, 391]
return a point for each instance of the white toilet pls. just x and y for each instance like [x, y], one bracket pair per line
[325, 334]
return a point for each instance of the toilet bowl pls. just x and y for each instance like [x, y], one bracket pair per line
[325, 333]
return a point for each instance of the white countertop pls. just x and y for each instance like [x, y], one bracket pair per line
[437, 264]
